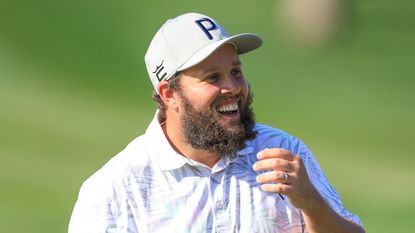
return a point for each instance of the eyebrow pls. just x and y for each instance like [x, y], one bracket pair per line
[210, 70]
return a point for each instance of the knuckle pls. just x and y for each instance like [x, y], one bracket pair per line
[298, 161]
[277, 150]
[279, 163]
[298, 158]
[276, 175]
[276, 163]
[282, 188]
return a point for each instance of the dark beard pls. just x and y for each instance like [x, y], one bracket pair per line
[203, 131]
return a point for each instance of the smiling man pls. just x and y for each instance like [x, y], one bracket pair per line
[210, 115]
[203, 164]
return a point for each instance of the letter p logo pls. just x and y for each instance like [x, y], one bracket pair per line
[206, 25]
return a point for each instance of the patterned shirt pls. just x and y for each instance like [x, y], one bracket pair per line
[149, 187]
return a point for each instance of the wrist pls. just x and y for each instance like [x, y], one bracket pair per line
[317, 205]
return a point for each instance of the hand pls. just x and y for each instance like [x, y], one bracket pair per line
[299, 189]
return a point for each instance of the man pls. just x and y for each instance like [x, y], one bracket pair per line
[203, 165]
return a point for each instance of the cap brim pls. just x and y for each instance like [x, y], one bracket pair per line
[244, 43]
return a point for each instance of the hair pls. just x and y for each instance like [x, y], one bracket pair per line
[174, 84]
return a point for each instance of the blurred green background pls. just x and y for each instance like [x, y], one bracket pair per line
[74, 91]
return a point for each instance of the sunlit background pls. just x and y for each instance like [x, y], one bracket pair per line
[74, 91]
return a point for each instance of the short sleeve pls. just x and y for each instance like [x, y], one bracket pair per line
[320, 181]
[93, 211]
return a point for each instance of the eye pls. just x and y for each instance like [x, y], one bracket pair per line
[212, 78]
[237, 72]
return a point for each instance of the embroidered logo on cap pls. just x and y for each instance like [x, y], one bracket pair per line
[160, 68]
[206, 25]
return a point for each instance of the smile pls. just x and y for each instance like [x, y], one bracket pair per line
[229, 112]
[228, 108]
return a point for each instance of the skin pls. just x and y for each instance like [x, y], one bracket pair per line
[215, 82]
[218, 81]
[319, 217]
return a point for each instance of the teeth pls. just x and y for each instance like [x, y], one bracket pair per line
[228, 108]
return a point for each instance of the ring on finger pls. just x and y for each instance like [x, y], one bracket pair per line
[285, 180]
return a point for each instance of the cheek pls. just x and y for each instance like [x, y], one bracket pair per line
[244, 88]
[204, 97]
[209, 97]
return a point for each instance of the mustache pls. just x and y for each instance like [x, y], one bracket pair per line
[220, 99]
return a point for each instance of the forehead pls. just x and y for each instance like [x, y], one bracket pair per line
[224, 57]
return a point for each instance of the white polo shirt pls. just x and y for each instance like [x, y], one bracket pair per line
[149, 187]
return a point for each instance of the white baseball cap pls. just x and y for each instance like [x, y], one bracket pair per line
[187, 40]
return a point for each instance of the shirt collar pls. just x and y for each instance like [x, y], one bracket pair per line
[247, 150]
[169, 159]
[160, 148]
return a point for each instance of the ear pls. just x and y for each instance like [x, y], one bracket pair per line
[167, 95]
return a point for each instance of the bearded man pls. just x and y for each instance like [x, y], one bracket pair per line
[203, 164]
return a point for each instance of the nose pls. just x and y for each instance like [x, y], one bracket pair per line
[232, 86]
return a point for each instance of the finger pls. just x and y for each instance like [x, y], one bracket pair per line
[277, 188]
[275, 153]
[272, 176]
[274, 164]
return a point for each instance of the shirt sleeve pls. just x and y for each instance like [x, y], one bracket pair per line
[93, 211]
[320, 181]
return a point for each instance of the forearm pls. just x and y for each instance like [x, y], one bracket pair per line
[321, 218]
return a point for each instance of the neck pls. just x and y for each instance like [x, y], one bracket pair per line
[175, 136]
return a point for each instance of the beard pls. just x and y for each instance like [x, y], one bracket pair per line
[204, 131]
